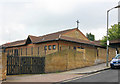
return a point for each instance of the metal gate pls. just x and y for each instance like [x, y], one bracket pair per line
[25, 65]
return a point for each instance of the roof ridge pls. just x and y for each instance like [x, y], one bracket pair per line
[15, 41]
[58, 32]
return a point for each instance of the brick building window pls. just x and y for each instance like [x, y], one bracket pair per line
[54, 47]
[74, 47]
[45, 48]
[80, 48]
[49, 47]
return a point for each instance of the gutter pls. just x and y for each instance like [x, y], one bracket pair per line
[55, 40]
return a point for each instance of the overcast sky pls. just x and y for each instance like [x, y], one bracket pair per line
[20, 18]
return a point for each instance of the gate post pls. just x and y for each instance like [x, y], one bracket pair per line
[4, 66]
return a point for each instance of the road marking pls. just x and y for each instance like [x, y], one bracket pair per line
[81, 77]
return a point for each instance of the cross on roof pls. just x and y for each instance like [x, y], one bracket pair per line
[77, 23]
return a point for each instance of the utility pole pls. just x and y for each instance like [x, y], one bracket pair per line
[107, 57]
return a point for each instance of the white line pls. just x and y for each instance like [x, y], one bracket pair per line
[80, 77]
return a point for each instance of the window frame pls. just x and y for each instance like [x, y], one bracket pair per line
[45, 47]
[49, 47]
[54, 47]
[74, 47]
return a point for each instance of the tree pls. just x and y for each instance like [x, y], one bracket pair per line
[90, 36]
[113, 33]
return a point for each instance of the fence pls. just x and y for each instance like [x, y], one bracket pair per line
[25, 65]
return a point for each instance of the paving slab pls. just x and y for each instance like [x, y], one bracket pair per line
[56, 77]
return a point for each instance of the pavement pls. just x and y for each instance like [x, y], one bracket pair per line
[57, 77]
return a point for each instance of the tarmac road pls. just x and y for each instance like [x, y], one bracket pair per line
[111, 75]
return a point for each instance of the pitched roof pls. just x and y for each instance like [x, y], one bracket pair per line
[115, 41]
[80, 41]
[48, 37]
[15, 43]
[51, 37]
[38, 39]
[33, 38]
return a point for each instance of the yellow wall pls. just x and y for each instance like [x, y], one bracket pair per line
[112, 53]
[29, 47]
[66, 58]
[75, 34]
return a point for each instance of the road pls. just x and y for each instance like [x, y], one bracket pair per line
[103, 76]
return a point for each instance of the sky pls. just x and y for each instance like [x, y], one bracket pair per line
[20, 18]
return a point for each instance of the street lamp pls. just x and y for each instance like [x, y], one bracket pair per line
[107, 32]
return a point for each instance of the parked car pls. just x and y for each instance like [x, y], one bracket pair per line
[115, 62]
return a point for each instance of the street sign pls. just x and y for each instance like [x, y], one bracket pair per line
[107, 42]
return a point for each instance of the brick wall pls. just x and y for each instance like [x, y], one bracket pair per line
[67, 60]
[112, 53]
[70, 59]
[75, 34]
[91, 54]
[102, 54]
[4, 66]
[32, 49]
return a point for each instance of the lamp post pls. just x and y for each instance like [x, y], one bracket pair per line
[107, 32]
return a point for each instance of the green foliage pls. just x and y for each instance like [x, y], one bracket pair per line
[90, 36]
[113, 33]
